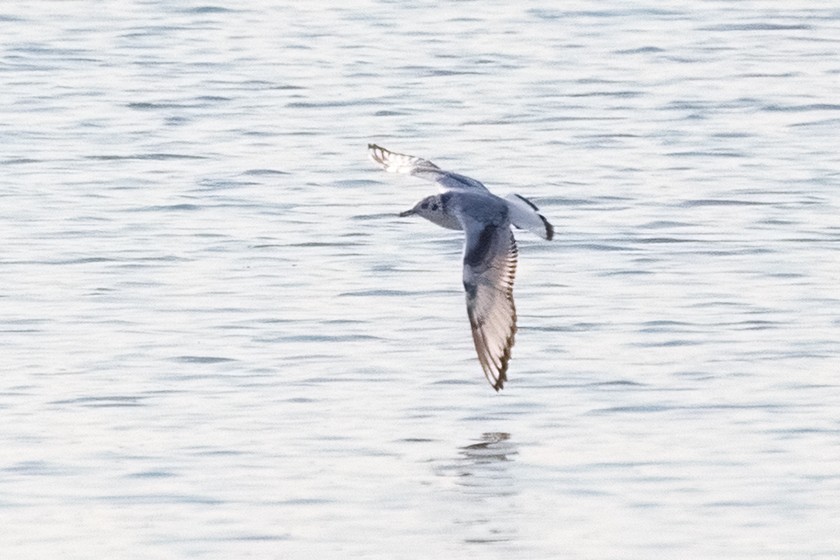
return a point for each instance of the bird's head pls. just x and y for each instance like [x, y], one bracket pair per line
[428, 208]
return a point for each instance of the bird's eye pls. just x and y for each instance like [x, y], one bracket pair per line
[434, 207]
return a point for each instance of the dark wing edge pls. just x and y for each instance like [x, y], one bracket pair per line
[490, 305]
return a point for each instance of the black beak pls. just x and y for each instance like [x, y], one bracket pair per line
[408, 213]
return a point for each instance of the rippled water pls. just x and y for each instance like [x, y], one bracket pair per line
[218, 341]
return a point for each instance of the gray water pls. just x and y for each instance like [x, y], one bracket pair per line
[218, 340]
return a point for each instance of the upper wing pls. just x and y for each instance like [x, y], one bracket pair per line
[489, 269]
[423, 168]
[525, 215]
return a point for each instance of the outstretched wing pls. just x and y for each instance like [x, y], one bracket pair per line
[489, 269]
[524, 214]
[423, 168]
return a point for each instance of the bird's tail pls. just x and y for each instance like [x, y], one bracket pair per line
[525, 215]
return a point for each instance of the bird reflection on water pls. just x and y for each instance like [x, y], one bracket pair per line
[481, 472]
[493, 447]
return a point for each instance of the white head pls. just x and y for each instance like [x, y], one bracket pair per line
[433, 209]
[426, 208]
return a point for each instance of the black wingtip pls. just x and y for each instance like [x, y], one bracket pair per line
[549, 229]
[377, 154]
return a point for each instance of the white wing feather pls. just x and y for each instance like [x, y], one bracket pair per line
[490, 255]
[525, 215]
[423, 168]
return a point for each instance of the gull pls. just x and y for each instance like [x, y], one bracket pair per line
[490, 251]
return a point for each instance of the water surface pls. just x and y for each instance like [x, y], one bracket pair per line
[217, 340]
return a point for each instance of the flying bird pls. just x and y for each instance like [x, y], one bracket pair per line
[490, 251]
